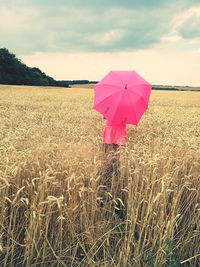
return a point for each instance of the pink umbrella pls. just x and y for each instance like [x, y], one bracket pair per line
[122, 97]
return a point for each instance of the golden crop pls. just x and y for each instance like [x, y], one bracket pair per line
[57, 210]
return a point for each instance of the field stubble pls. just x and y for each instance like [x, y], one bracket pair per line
[54, 209]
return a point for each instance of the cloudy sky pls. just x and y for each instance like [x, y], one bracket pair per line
[84, 39]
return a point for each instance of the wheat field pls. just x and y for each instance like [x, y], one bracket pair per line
[58, 209]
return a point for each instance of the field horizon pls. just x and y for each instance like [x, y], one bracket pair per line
[91, 86]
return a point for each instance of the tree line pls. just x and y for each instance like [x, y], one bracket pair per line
[14, 71]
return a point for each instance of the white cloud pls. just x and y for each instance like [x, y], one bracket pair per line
[187, 23]
[17, 19]
[107, 38]
[171, 38]
[185, 16]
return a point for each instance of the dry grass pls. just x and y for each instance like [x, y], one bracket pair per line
[54, 209]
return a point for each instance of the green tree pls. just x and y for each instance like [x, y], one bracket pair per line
[13, 71]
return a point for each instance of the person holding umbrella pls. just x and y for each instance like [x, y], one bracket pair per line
[122, 98]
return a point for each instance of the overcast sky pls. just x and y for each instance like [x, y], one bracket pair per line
[84, 39]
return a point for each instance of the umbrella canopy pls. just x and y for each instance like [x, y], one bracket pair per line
[122, 97]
